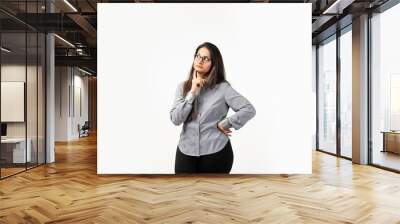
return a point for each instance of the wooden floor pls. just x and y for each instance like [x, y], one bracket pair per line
[70, 191]
[8, 171]
[5, 172]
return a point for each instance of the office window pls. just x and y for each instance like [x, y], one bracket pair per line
[346, 93]
[385, 90]
[327, 96]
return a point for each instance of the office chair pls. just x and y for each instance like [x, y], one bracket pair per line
[84, 130]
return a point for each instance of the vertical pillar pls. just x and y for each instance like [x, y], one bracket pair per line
[360, 89]
[50, 92]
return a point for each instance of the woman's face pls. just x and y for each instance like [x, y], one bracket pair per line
[202, 61]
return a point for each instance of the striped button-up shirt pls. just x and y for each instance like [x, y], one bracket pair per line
[201, 136]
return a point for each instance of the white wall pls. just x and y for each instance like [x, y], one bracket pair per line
[61, 103]
[68, 82]
[12, 73]
[15, 72]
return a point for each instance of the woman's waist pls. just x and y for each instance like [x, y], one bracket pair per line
[203, 129]
[203, 125]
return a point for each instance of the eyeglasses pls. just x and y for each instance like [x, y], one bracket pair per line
[205, 58]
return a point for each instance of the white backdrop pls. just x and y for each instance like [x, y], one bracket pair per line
[145, 50]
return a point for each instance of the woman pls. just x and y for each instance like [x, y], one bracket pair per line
[201, 104]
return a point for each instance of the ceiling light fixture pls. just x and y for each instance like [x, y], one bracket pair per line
[86, 72]
[64, 40]
[70, 5]
[338, 6]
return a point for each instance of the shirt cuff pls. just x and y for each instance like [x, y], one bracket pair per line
[190, 97]
[225, 123]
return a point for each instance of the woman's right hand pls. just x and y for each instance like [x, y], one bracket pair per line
[197, 82]
[226, 132]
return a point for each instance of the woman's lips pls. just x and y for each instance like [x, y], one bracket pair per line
[198, 66]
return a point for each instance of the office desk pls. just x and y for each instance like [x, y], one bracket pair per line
[391, 141]
[13, 150]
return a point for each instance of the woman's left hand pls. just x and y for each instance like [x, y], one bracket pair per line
[226, 132]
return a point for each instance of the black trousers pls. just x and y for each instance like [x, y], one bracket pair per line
[219, 162]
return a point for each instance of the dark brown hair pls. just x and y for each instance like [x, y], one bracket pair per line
[216, 74]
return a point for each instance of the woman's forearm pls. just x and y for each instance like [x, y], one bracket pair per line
[181, 108]
[242, 106]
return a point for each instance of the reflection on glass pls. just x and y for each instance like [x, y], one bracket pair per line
[346, 94]
[327, 96]
[386, 88]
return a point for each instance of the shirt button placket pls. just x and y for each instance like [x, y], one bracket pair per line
[198, 125]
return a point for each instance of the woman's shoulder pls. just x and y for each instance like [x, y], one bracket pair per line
[224, 84]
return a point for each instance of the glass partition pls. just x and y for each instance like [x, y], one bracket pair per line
[31, 100]
[41, 109]
[22, 67]
[14, 153]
